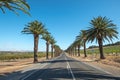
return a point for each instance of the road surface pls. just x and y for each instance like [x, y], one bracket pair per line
[65, 68]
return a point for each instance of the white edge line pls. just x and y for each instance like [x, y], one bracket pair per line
[98, 68]
[95, 67]
[69, 68]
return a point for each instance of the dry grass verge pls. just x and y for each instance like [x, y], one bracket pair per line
[10, 66]
[112, 60]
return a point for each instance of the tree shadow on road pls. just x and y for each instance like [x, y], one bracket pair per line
[58, 61]
[64, 74]
[57, 74]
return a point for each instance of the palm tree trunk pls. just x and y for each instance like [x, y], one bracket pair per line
[47, 50]
[36, 38]
[101, 49]
[72, 52]
[51, 51]
[85, 55]
[78, 50]
[75, 51]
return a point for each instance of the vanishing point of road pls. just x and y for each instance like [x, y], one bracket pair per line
[66, 68]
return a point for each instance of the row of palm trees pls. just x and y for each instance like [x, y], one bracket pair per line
[57, 51]
[101, 29]
[38, 30]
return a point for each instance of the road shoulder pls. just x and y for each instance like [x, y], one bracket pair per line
[19, 69]
[115, 71]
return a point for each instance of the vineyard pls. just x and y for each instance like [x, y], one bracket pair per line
[18, 55]
[110, 50]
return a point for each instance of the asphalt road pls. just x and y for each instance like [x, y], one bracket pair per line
[65, 68]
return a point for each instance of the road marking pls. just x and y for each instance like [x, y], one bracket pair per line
[37, 70]
[32, 73]
[69, 69]
[96, 68]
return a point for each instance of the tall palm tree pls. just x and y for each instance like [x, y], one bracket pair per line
[79, 44]
[70, 49]
[52, 42]
[82, 38]
[101, 29]
[58, 50]
[14, 5]
[75, 44]
[47, 38]
[84, 41]
[36, 28]
[78, 49]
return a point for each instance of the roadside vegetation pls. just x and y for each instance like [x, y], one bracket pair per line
[101, 29]
[36, 28]
[10, 56]
[109, 50]
[111, 53]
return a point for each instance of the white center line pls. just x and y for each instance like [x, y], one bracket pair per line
[69, 69]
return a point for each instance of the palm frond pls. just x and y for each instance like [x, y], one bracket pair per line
[14, 5]
[101, 27]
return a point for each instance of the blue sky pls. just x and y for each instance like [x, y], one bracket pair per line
[63, 18]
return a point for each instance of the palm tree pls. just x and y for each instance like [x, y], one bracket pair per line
[78, 49]
[82, 38]
[79, 44]
[101, 29]
[14, 5]
[84, 41]
[58, 50]
[36, 28]
[70, 49]
[52, 42]
[47, 38]
[75, 44]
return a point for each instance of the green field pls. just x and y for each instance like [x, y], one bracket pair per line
[111, 50]
[19, 55]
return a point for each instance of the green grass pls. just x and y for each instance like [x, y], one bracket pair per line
[18, 55]
[107, 50]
